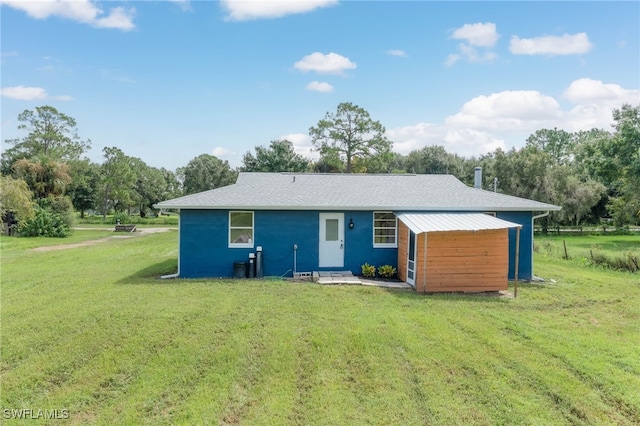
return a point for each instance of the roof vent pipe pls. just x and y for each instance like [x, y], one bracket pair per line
[477, 181]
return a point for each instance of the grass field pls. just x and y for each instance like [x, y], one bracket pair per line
[92, 330]
[620, 252]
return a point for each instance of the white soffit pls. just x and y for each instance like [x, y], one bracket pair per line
[443, 222]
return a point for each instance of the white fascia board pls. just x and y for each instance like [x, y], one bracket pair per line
[365, 208]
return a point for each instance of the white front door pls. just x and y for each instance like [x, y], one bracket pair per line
[411, 258]
[331, 250]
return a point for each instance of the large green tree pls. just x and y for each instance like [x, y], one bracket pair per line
[117, 180]
[349, 133]
[50, 133]
[16, 200]
[172, 185]
[206, 172]
[85, 179]
[613, 159]
[625, 153]
[559, 144]
[578, 197]
[149, 186]
[280, 156]
[45, 177]
[434, 160]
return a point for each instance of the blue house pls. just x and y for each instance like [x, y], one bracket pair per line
[325, 222]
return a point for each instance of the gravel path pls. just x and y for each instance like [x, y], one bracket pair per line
[138, 233]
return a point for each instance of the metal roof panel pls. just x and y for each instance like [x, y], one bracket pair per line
[445, 222]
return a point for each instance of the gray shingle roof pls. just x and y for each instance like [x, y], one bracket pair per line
[306, 191]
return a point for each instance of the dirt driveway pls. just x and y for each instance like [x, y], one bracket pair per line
[138, 233]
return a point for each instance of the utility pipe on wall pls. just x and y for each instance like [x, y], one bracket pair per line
[259, 262]
[295, 260]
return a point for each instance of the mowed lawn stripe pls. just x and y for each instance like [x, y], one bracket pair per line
[95, 331]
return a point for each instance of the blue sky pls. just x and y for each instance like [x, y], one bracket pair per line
[167, 81]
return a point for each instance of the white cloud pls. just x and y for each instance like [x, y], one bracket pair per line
[473, 55]
[471, 142]
[320, 86]
[302, 145]
[222, 152]
[586, 90]
[408, 138]
[465, 142]
[84, 11]
[241, 10]
[505, 119]
[479, 34]
[479, 39]
[506, 111]
[185, 5]
[24, 93]
[595, 101]
[119, 18]
[397, 52]
[27, 93]
[566, 44]
[331, 63]
[452, 59]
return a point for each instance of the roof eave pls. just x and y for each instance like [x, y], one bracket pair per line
[362, 208]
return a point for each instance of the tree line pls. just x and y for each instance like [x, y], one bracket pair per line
[592, 174]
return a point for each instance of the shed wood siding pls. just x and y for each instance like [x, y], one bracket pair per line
[422, 268]
[403, 241]
[466, 261]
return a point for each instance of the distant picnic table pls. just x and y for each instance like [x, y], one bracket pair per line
[125, 228]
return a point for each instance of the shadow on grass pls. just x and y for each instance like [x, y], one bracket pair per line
[153, 272]
[489, 296]
[449, 297]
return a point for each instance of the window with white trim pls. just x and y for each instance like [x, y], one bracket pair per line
[385, 229]
[241, 229]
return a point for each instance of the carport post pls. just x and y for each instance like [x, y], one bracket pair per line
[515, 287]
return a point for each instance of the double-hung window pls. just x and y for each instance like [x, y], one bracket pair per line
[385, 229]
[241, 229]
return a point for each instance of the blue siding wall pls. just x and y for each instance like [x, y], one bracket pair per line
[525, 266]
[203, 244]
[205, 252]
[359, 244]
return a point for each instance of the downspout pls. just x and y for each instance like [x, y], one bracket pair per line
[538, 216]
[517, 260]
[177, 274]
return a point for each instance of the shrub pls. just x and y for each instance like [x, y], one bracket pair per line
[625, 262]
[121, 217]
[387, 271]
[45, 223]
[368, 271]
[62, 206]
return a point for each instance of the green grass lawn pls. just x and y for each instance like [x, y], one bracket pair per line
[93, 331]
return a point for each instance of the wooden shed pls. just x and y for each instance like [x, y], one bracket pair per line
[443, 252]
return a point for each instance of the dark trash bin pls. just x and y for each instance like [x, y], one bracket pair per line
[239, 270]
